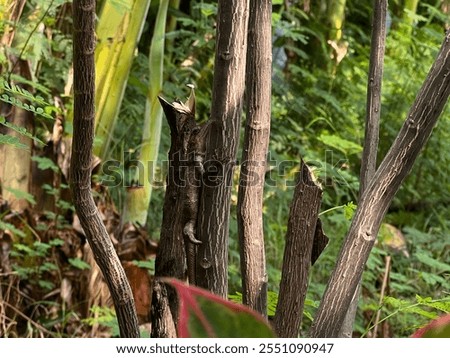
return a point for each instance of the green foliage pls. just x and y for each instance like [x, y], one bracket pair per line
[11, 93]
[19, 130]
[34, 262]
[104, 316]
[318, 111]
[147, 264]
[79, 264]
[13, 141]
[7, 226]
[19, 194]
[422, 309]
[45, 163]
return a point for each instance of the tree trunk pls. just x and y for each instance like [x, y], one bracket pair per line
[300, 238]
[377, 197]
[226, 111]
[171, 255]
[81, 159]
[16, 163]
[373, 111]
[253, 167]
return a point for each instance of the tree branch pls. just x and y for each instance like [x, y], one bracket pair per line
[300, 237]
[81, 159]
[373, 111]
[253, 166]
[226, 111]
[376, 199]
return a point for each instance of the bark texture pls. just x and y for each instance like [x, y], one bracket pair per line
[373, 111]
[373, 108]
[170, 258]
[80, 180]
[176, 254]
[300, 237]
[226, 111]
[253, 166]
[377, 197]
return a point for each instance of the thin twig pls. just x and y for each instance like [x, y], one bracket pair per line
[387, 270]
[37, 325]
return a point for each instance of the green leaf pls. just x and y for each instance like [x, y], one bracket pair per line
[14, 141]
[441, 305]
[395, 302]
[41, 248]
[48, 266]
[429, 261]
[50, 190]
[65, 205]
[341, 144]
[272, 301]
[7, 226]
[79, 263]
[20, 130]
[148, 264]
[420, 311]
[19, 194]
[203, 314]
[349, 210]
[46, 284]
[16, 90]
[56, 242]
[24, 248]
[45, 163]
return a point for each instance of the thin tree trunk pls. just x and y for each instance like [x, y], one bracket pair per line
[80, 181]
[253, 167]
[377, 197]
[171, 256]
[226, 111]
[373, 111]
[300, 237]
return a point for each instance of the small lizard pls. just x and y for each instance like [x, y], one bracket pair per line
[195, 156]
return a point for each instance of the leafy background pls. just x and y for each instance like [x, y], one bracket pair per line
[318, 111]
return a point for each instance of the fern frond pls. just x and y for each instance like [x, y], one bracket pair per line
[14, 141]
[14, 90]
[20, 130]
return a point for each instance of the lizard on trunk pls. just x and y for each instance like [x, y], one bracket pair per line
[190, 138]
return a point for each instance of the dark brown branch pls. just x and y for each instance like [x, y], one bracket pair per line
[226, 111]
[300, 237]
[373, 110]
[170, 258]
[83, 135]
[376, 199]
[253, 167]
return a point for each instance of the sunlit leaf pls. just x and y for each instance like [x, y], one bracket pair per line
[79, 264]
[19, 194]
